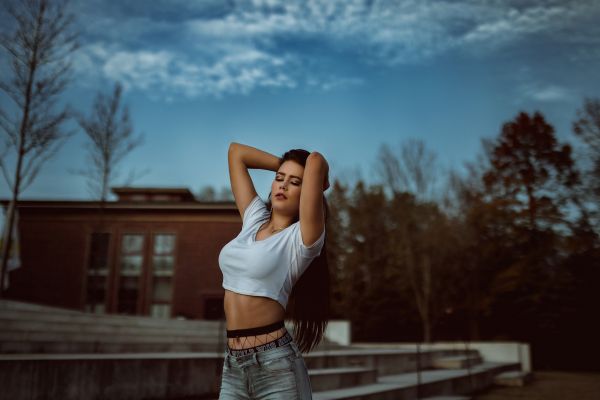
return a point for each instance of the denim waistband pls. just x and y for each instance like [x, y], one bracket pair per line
[279, 342]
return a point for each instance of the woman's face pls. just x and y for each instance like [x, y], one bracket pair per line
[288, 181]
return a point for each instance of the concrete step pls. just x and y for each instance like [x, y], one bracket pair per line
[107, 338]
[109, 376]
[457, 362]
[335, 378]
[52, 343]
[426, 383]
[7, 304]
[101, 347]
[513, 378]
[158, 373]
[386, 361]
[103, 327]
[139, 323]
[98, 327]
[71, 347]
[70, 317]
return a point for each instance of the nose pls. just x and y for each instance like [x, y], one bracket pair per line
[283, 185]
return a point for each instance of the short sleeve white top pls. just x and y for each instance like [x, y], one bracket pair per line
[268, 267]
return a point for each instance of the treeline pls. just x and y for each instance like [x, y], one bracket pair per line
[508, 251]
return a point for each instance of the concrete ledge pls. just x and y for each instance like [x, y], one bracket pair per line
[513, 378]
[457, 362]
[335, 378]
[490, 351]
[28, 311]
[76, 325]
[25, 347]
[385, 361]
[122, 376]
[433, 383]
[33, 328]
[152, 375]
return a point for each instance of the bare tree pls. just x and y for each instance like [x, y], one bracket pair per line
[225, 194]
[38, 50]
[418, 238]
[587, 125]
[111, 134]
[207, 193]
[412, 170]
[587, 128]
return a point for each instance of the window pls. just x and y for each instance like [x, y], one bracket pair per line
[97, 273]
[130, 270]
[163, 261]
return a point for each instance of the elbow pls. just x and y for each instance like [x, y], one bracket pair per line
[233, 148]
[315, 156]
[317, 163]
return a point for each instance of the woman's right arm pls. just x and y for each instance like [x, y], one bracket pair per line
[240, 158]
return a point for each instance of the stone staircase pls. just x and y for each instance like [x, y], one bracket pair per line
[392, 373]
[126, 357]
[33, 328]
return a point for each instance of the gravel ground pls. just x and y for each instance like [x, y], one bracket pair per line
[550, 386]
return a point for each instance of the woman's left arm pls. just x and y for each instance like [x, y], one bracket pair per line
[314, 182]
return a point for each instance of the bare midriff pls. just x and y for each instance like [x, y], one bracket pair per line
[244, 311]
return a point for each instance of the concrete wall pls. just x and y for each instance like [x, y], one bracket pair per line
[515, 352]
[95, 376]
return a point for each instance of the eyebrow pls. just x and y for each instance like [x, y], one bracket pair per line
[293, 176]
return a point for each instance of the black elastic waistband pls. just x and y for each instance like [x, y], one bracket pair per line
[282, 341]
[255, 331]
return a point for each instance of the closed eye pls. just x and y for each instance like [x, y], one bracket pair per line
[295, 183]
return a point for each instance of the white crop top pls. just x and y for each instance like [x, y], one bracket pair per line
[268, 267]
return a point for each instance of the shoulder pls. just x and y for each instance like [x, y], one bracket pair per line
[307, 249]
[255, 211]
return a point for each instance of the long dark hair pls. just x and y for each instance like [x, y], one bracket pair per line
[308, 305]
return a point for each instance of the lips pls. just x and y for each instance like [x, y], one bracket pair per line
[280, 196]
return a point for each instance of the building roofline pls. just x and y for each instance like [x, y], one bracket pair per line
[121, 205]
[128, 189]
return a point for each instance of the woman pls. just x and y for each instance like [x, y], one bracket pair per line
[279, 255]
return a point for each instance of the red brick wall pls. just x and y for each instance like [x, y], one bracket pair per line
[55, 246]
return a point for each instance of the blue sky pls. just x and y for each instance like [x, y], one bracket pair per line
[340, 77]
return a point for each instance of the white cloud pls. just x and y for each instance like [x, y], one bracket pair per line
[239, 48]
[333, 82]
[546, 93]
[397, 32]
[144, 69]
[165, 72]
[530, 86]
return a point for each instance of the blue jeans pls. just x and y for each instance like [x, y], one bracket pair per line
[276, 373]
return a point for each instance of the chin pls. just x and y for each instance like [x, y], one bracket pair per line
[284, 210]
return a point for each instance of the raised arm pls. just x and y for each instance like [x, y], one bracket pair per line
[312, 213]
[240, 158]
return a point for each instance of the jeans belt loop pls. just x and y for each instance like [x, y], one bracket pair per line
[255, 358]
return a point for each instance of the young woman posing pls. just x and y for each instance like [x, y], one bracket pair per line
[279, 255]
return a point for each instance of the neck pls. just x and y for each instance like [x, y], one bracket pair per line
[279, 221]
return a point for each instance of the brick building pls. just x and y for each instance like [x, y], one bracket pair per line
[153, 251]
